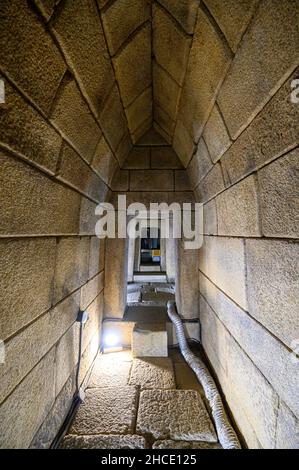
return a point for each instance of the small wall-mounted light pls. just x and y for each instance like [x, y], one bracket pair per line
[110, 340]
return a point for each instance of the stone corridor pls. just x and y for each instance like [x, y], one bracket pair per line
[138, 403]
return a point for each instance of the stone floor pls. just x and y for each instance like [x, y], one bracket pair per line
[142, 403]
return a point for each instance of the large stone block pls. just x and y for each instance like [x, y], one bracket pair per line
[120, 181]
[163, 133]
[27, 271]
[92, 329]
[25, 409]
[133, 66]
[166, 91]
[24, 130]
[66, 356]
[37, 67]
[183, 145]
[111, 370]
[139, 158]
[200, 164]
[113, 120]
[141, 130]
[279, 197]
[287, 436]
[164, 121]
[268, 354]
[259, 401]
[167, 37]
[80, 35]
[96, 256]
[91, 289]
[74, 170]
[88, 218]
[140, 110]
[112, 441]
[216, 136]
[181, 180]
[104, 162]
[28, 347]
[273, 286]
[256, 74]
[232, 17]
[184, 12]
[170, 444]
[72, 265]
[223, 261]
[272, 133]
[151, 180]
[211, 185]
[210, 224]
[107, 410]
[149, 340]
[115, 277]
[165, 158]
[123, 149]
[166, 414]
[238, 210]
[152, 373]
[208, 63]
[185, 378]
[121, 19]
[72, 117]
[186, 280]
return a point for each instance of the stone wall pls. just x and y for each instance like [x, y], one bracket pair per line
[242, 158]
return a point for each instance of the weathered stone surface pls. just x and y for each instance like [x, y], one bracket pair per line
[25, 131]
[181, 180]
[287, 436]
[74, 170]
[262, 347]
[72, 117]
[182, 143]
[46, 7]
[66, 356]
[168, 37]
[53, 422]
[152, 373]
[106, 410]
[111, 371]
[184, 12]
[238, 210]
[174, 414]
[93, 327]
[79, 32]
[256, 73]
[27, 271]
[273, 286]
[96, 256]
[72, 265]
[120, 181]
[121, 19]
[232, 17]
[115, 277]
[123, 148]
[140, 110]
[38, 337]
[113, 441]
[151, 180]
[164, 121]
[216, 136]
[223, 261]
[139, 158]
[211, 185]
[169, 444]
[185, 377]
[133, 66]
[152, 138]
[25, 409]
[166, 91]
[141, 130]
[149, 340]
[164, 157]
[259, 401]
[210, 218]
[186, 280]
[104, 162]
[88, 219]
[272, 133]
[91, 289]
[113, 122]
[37, 67]
[279, 196]
[200, 164]
[208, 63]
[163, 133]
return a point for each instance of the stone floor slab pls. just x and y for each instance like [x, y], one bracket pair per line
[152, 373]
[103, 442]
[174, 414]
[185, 378]
[106, 411]
[111, 370]
[169, 444]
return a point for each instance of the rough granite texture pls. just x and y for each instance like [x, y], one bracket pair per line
[152, 373]
[113, 441]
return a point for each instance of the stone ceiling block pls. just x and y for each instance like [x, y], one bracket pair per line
[216, 136]
[209, 61]
[152, 138]
[163, 120]
[104, 162]
[182, 143]
[152, 180]
[165, 157]
[121, 19]
[80, 35]
[140, 110]
[200, 164]
[139, 159]
[123, 149]
[141, 130]
[184, 11]
[166, 91]
[133, 66]
[113, 121]
[171, 45]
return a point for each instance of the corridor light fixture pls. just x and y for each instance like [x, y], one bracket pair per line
[110, 340]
